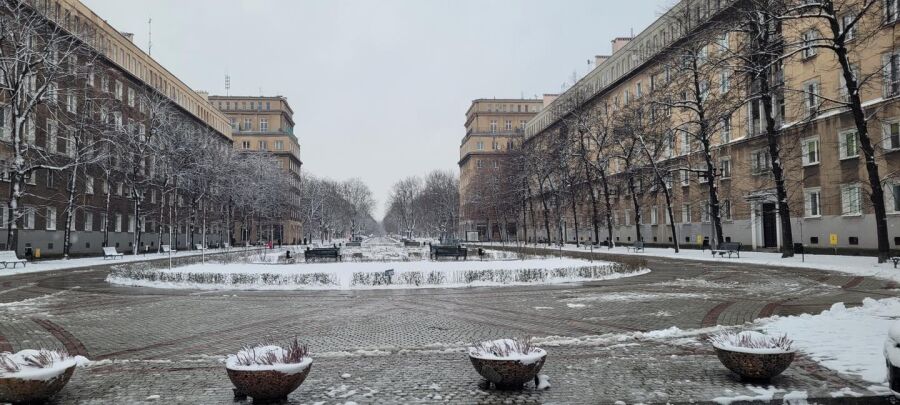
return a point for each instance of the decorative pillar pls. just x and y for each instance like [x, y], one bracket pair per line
[753, 224]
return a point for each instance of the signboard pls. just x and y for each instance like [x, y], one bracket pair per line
[833, 239]
[699, 239]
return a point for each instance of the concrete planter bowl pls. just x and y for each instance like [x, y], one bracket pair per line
[272, 384]
[755, 366]
[509, 374]
[23, 391]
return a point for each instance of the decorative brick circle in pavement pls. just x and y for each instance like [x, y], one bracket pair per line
[402, 346]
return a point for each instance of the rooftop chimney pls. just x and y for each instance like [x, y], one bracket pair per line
[599, 59]
[203, 93]
[549, 98]
[128, 35]
[619, 42]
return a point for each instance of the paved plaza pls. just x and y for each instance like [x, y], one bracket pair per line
[407, 346]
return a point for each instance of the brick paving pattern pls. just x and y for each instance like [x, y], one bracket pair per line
[406, 346]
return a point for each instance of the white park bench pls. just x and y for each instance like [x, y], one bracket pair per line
[167, 249]
[636, 247]
[9, 256]
[110, 252]
[226, 245]
[199, 246]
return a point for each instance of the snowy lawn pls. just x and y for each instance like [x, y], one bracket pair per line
[855, 265]
[371, 275]
[847, 340]
[62, 264]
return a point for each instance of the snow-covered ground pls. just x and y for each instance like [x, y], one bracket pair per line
[847, 340]
[62, 264]
[855, 265]
[370, 275]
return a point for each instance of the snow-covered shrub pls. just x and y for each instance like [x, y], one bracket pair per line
[290, 359]
[410, 278]
[520, 349]
[752, 342]
[36, 364]
[437, 278]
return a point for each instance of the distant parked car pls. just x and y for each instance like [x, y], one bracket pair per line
[892, 356]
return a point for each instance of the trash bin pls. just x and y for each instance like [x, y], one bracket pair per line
[29, 252]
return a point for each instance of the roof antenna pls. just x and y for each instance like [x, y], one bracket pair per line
[150, 36]
[227, 84]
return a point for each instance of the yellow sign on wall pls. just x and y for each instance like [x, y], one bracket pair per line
[832, 239]
[699, 239]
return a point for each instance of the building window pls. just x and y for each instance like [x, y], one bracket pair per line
[685, 178]
[119, 89]
[28, 220]
[247, 124]
[51, 179]
[850, 203]
[88, 221]
[131, 97]
[279, 145]
[685, 142]
[892, 135]
[71, 102]
[809, 41]
[653, 215]
[479, 164]
[846, 19]
[811, 97]
[726, 210]
[245, 144]
[892, 197]
[810, 148]
[233, 123]
[890, 11]
[479, 145]
[89, 185]
[812, 202]
[891, 75]
[131, 223]
[760, 161]
[496, 164]
[263, 145]
[848, 143]
[493, 126]
[120, 189]
[263, 124]
[51, 218]
[118, 223]
[725, 167]
[685, 213]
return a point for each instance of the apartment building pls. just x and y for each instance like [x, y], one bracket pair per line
[825, 174]
[104, 212]
[494, 128]
[266, 125]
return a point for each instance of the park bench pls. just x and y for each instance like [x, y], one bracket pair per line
[110, 252]
[438, 251]
[9, 256]
[226, 246]
[411, 243]
[896, 261]
[322, 253]
[353, 244]
[636, 247]
[167, 249]
[730, 248]
[199, 246]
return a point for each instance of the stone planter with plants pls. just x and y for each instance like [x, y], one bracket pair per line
[753, 356]
[268, 372]
[892, 357]
[508, 363]
[31, 376]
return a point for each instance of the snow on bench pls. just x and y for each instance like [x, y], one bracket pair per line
[198, 246]
[110, 252]
[728, 247]
[9, 256]
[167, 249]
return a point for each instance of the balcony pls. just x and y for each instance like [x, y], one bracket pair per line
[505, 132]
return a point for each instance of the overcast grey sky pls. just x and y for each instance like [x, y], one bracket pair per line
[379, 88]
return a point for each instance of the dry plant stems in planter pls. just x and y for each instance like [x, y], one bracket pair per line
[268, 372]
[35, 375]
[507, 363]
[752, 355]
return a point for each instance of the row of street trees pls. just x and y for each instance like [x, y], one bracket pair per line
[709, 80]
[330, 209]
[426, 206]
[68, 114]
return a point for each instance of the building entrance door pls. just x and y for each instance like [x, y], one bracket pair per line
[770, 228]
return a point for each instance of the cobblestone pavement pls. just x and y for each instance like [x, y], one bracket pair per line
[402, 346]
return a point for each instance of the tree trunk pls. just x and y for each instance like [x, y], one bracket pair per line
[609, 221]
[70, 212]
